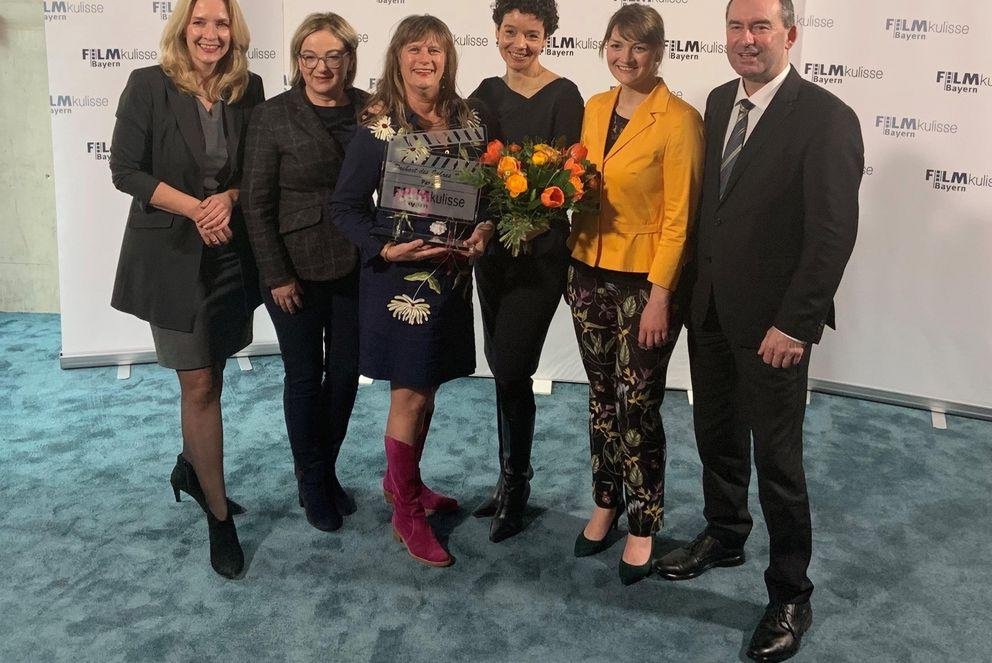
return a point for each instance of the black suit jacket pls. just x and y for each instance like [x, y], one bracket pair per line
[158, 138]
[291, 166]
[772, 250]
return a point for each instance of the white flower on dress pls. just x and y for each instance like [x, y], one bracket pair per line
[382, 128]
[409, 310]
[439, 228]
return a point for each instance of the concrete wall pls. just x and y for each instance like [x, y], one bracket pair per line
[28, 250]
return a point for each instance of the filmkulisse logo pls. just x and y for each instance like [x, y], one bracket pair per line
[64, 104]
[956, 181]
[109, 58]
[918, 29]
[99, 150]
[162, 9]
[691, 49]
[912, 127]
[959, 82]
[566, 45]
[60, 10]
[256, 54]
[471, 40]
[837, 74]
[812, 21]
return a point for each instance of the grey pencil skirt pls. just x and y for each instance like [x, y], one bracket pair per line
[223, 325]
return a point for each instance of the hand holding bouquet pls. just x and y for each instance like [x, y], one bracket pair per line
[529, 184]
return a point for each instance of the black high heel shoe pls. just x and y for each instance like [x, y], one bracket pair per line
[631, 573]
[183, 478]
[226, 555]
[587, 547]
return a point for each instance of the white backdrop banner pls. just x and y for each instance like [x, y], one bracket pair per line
[913, 309]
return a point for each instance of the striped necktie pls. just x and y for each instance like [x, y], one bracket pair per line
[735, 144]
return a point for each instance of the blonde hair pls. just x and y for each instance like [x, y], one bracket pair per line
[230, 79]
[390, 95]
[338, 27]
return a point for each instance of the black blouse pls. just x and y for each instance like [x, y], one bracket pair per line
[554, 111]
[339, 121]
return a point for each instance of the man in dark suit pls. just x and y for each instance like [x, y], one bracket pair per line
[777, 224]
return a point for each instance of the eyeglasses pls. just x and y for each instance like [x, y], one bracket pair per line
[331, 60]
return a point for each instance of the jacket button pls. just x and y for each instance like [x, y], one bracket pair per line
[717, 221]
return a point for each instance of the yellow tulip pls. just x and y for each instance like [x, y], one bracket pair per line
[507, 166]
[516, 184]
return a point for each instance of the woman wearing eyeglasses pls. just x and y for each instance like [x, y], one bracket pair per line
[295, 146]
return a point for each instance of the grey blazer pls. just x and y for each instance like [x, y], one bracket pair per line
[158, 138]
[291, 166]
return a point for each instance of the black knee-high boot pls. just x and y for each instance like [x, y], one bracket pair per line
[516, 425]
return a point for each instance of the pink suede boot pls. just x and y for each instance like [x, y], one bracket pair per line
[433, 502]
[409, 519]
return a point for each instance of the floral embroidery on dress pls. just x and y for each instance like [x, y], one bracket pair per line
[439, 228]
[409, 310]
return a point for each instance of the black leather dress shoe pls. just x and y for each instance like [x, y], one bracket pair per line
[780, 631]
[700, 556]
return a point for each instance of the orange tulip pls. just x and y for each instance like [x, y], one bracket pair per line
[507, 166]
[577, 185]
[493, 152]
[553, 197]
[574, 167]
[578, 152]
[515, 184]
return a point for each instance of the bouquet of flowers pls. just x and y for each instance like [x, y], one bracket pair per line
[529, 184]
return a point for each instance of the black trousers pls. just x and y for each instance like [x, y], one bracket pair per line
[319, 346]
[518, 298]
[737, 398]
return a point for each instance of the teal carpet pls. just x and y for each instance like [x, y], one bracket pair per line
[98, 563]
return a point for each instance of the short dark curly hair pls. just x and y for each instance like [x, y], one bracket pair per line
[546, 10]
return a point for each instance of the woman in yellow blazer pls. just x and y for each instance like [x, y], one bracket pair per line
[626, 261]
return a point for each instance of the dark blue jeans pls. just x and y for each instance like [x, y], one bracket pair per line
[319, 347]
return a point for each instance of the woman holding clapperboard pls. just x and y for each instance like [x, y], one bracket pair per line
[415, 309]
[519, 294]
[185, 263]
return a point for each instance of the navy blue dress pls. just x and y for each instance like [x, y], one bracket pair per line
[415, 318]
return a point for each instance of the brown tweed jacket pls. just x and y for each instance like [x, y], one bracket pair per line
[290, 169]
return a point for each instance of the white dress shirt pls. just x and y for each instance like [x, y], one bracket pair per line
[761, 100]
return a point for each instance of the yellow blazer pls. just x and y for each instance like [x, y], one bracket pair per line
[651, 182]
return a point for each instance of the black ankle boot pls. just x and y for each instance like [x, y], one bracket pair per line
[509, 518]
[183, 478]
[315, 498]
[226, 555]
[344, 502]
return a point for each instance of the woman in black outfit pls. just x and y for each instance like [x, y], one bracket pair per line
[308, 268]
[185, 264]
[519, 296]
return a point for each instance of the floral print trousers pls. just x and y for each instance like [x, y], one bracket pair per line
[626, 389]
